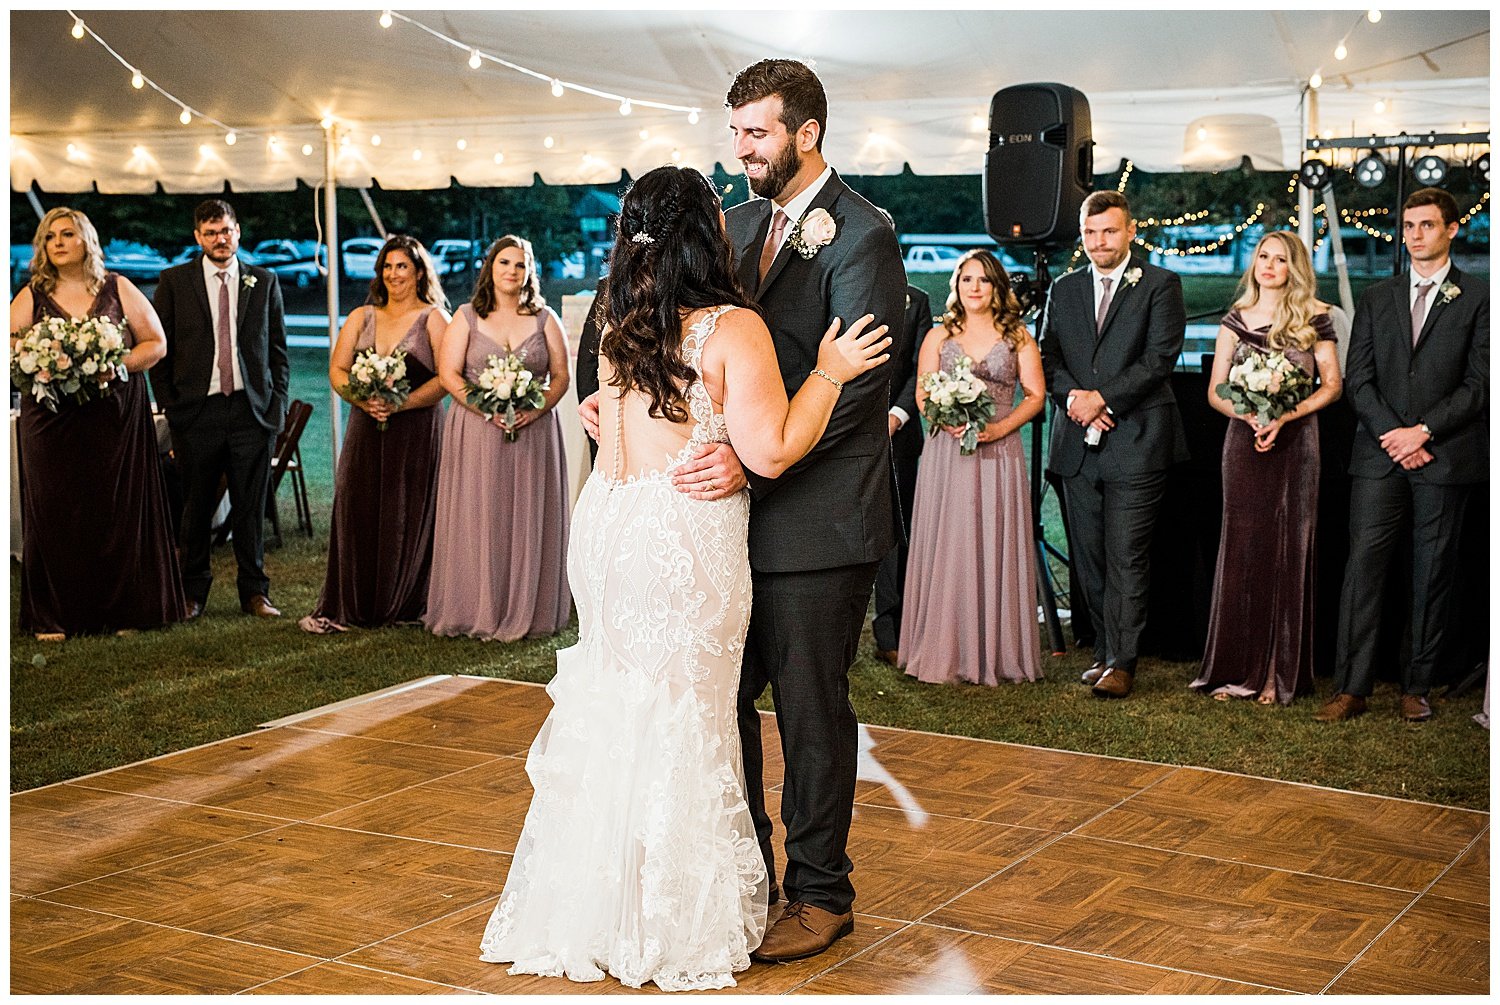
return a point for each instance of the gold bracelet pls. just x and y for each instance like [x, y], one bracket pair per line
[839, 384]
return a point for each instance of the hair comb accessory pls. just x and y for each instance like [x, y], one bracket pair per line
[641, 237]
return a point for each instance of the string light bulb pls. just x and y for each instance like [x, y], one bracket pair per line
[307, 150]
[693, 117]
[136, 80]
[1374, 16]
[462, 144]
[375, 140]
[138, 151]
[625, 107]
[1341, 51]
[385, 19]
[230, 139]
[204, 150]
[416, 155]
[1202, 134]
[72, 150]
[273, 142]
[676, 155]
[186, 117]
[547, 142]
[557, 88]
[474, 59]
[1380, 107]
[1315, 81]
[499, 158]
[77, 31]
[326, 122]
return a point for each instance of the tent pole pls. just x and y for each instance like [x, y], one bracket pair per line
[364, 194]
[36, 204]
[1306, 225]
[331, 229]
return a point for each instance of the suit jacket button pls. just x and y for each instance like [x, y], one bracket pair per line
[1096, 369]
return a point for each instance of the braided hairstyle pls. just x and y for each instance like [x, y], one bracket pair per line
[671, 257]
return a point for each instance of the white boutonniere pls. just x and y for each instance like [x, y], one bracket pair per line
[1450, 290]
[814, 231]
[1131, 277]
[249, 281]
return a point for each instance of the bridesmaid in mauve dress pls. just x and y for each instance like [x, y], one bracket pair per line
[1260, 629]
[498, 563]
[385, 500]
[970, 596]
[97, 553]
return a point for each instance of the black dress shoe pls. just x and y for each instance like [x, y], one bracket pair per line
[775, 894]
[1092, 674]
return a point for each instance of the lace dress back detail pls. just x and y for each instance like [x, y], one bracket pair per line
[639, 855]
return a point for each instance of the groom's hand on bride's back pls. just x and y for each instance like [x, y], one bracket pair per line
[714, 473]
[588, 414]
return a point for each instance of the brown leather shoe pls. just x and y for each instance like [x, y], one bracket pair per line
[1092, 674]
[1115, 683]
[259, 606]
[890, 656]
[803, 931]
[1414, 708]
[194, 609]
[1340, 708]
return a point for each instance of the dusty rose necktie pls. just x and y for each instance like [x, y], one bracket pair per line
[226, 347]
[1103, 306]
[1419, 311]
[773, 242]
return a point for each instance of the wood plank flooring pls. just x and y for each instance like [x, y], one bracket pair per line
[360, 850]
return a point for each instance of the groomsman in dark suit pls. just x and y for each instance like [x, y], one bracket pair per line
[1113, 334]
[906, 449]
[810, 250]
[1418, 379]
[223, 385]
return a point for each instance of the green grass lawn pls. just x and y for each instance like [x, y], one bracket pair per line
[93, 703]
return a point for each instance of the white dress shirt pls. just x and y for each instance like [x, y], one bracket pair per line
[1114, 276]
[1436, 279]
[211, 282]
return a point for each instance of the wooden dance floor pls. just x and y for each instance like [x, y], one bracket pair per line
[361, 847]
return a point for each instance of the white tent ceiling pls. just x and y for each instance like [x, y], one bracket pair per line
[904, 87]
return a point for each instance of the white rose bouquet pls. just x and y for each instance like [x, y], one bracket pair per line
[373, 377]
[80, 360]
[1264, 384]
[505, 385]
[958, 398]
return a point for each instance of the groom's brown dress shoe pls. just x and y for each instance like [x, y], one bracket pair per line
[1340, 708]
[1092, 674]
[803, 931]
[259, 606]
[1414, 708]
[1115, 683]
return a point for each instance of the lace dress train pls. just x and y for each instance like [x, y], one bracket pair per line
[638, 856]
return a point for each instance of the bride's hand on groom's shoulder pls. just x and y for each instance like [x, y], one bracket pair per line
[714, 474]
[848, 355]
[588, 414]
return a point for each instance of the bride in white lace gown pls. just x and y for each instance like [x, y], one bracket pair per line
[638, 855]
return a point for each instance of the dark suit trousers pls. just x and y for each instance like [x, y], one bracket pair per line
[1378, 508]
[223, 438]
[890, 582]
[1111, 516]
[804, 631]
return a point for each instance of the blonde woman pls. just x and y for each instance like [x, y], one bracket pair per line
[1260, 631]
[97, 555]
[970, 601]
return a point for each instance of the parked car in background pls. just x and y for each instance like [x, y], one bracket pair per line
[931, 258]
[190, 252]
[292, 261]
[570, 266]
[359, 255]
[136, 262]
[451, 256]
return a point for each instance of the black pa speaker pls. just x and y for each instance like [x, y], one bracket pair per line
[1040, 164]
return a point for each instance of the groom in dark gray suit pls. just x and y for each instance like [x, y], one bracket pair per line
[1113, 333]
[809, 250]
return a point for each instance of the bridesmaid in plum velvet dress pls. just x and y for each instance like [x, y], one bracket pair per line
[501, 539]
[98, 553]
[385, 499]
[1260, 630]
[970, 597]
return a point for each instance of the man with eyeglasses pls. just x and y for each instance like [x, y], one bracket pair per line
[223, 386]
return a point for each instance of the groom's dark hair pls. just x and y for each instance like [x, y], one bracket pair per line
[671, 257]
[800, 90]
[210, 210]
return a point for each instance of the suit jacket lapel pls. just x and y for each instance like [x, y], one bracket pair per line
[200, 286]
[240, 312]
[1114, 301]
[750, 253]
[823, 200]
[1437, 304]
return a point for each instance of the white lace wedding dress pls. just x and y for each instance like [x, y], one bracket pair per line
[638, 855]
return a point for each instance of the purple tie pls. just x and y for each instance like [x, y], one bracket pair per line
[1419, 311]
[773, 243]
[1103, 306]
[226, 347]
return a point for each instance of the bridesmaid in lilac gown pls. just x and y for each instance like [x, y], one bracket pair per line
[1260, 628]
[385, 496]
[499, 547]
[971, 576]
[98, 553]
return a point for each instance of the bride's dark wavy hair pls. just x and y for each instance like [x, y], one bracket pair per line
[683, 262]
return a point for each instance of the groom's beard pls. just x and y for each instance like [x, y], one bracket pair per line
[779, 173]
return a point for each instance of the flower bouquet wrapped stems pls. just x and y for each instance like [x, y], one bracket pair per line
[958, 398]
[503, 387]
[373, 377]
[59, 359]
[1265, 385]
